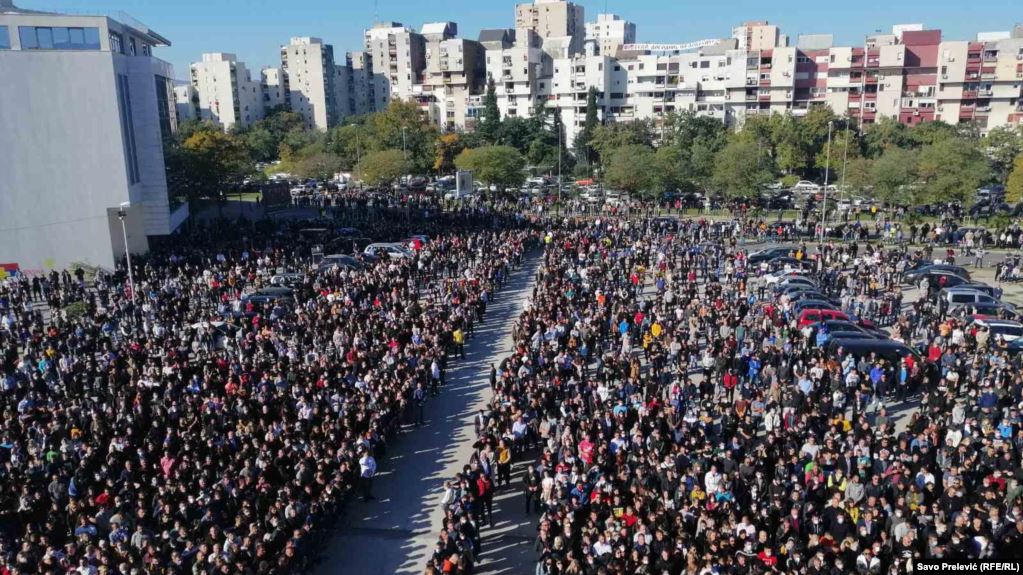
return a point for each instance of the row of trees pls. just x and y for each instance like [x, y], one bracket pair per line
[927, 162]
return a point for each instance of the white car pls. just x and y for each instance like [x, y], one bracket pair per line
[392, 250]
[806, 186]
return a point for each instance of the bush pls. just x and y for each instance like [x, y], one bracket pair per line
[75, 310]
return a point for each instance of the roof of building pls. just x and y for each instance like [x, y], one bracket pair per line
[497, 35]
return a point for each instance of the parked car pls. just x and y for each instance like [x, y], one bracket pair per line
[340, 261]
[1006, 334]
[767, 255]
[940, 279]
[812, 316]
[391, 250]
[268, 295]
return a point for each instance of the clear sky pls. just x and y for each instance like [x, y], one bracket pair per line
[255, 29]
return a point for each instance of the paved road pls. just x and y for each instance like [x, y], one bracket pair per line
[397, 532]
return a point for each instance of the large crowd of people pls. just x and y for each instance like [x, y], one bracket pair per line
[188, 428]
[663, 411]
[672, 416]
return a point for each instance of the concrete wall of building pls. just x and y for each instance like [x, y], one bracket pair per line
[68, 167]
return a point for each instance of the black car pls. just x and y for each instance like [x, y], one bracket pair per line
[768, 254]
[913, 276]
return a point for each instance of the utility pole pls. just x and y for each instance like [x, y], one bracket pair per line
[404, 149]
[557, 125]
[121, 215]
[827, 168]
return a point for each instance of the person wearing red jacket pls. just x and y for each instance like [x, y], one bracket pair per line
[729, 382]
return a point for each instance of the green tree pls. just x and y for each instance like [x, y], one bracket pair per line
[791, 150]
[402, 126]
[382, 168]
[858, 174]
[928, 133]
[885, 133]
[318, 165]
[490, 123]
[262, 145]
[609, 137]
[583, 151]
[1003, 145]
[502, 166]
[742, 167]
[894, 174]
[841, 151]
[952, 169]
[1014, 185]
[697, 139]
[206, 163]
[669, 173]
[349, 142]
[631, 168]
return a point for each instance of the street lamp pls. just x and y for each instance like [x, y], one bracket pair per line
[121, 214]
[404, 149]
[827, 168]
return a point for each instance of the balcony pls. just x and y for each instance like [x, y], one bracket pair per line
[985, 93]
[969, 95]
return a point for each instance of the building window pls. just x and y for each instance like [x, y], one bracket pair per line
[128, 129]
[47, 38]
[5, 38]
[116, 43]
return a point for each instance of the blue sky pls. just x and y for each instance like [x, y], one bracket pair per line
[255, 29]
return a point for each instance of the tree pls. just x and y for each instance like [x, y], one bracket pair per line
[893, 175]
[857, 174]
[669, 174]
[448, 148]
[382, 168]
[952, 169]
[697, 139]
[502, 166]
[490, 123]
[927, 133]
[1014, 185]
[1003, 145]
[886, 133]
[319, 165]
[609, 137]
[402, 126]
[583, 150]
[841, 151]
[630, 168]
[207, 163]
[742, 167]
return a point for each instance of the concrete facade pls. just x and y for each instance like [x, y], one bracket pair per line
[309, 66]
[86, 130]
[554, 19]
[226, 92]
[609, 33]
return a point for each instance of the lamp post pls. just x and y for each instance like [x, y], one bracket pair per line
[827, 168]
[404, 148]
[121, 214]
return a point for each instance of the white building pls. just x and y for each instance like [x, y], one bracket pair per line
[309, 66]
[554, 19]
[274, 85]
[398, 55]
[454, 73]
[520, 69]
[227, 94]
[609, 33]
[186, 102]
[82, 134]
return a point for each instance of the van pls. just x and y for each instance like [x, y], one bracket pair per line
[812, 316]
[958, 297]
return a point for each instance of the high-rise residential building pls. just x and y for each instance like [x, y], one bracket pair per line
[83, 136]
[399, 57]
[982, 81]
[454, 74]
[186, 102]
[273, 83]
[558, 21]
[759, 35]
[610, 32]
[521, 70]
[227, 94]
[311, 74]
[363, 84]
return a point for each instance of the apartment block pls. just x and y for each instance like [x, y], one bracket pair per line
[982, 81]
[520, 68]
[83, 136]
[759, 35]
[453, 75]
[560, 24]
[227, 94]
[186, 102]
[311, 74]
[398, 55]
[363, 84]
[610, 32]
[273, 84]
